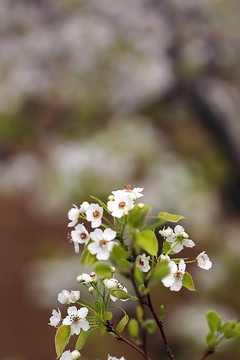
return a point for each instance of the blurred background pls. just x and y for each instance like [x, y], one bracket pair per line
[97, 94]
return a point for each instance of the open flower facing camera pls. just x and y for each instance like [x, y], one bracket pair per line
[124, 235]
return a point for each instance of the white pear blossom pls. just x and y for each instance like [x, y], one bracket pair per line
[55, 319]
[114, 358]
[86, 278]
[66, 297]
[142, 262]
[166, 232]
[114, 284]
[79, 236]
[68, 355]
[179, 239]
[102, 244]
[129, 189]
[204, 261]
[94, 214]
[73, 215]
[175, 278]
[77, 319]
[121, 203]
[83, 207]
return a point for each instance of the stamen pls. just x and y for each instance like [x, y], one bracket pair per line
[129, 187]
[83, 236]
[122, 204]
[96, 214]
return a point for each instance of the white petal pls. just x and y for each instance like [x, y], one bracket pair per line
[177, 285]
[179, 230]
[84, 324]
[72, 310]
[188, 243]
[182, 266]
[168, 280]
[96, 222]
[82, 313]
[67, 320]
[94, 248]
[103, 254]
[75, 329]
[109, 234]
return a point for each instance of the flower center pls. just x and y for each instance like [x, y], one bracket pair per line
[103, 242]
[119, 285]
[178, 275]
[122, 205]
[75, 319]
[141, 262]
[128, 188]
[96, 214]
[83, 236]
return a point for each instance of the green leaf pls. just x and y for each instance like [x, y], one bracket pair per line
[167, 247]
[121, 294]
[62, 338]
[188, 282]
[147, 241]
[91, 259]
[119, 255]
[229, 325]
[102, 329]
[84, 255]
[211, 339]
[103, 270]
[161, 312]
[138, 274]
[214, 320]
[155, 224]
[139, 312]
[170, 217]
[137, 216]
[133, 328]
[161, 270]
[150, 325]
[108, 315]
[142, 289]
[82, 339]
[121, 325]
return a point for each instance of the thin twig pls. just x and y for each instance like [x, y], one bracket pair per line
[207, 352]
[110, 328]
[160, 326]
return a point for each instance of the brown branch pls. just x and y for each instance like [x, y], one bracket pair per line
[207, 352]
[160, 326]
[110, 328]
[142, 302]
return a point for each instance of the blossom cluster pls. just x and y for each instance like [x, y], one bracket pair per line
[120, 236]
[101, 244]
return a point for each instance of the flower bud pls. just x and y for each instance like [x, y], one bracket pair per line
[111, 197]
[185, 235]
[94, 281]
[79, 279]
[89, 280]
[75, 355]
[164, 258]
[126, 213]
[113, 269]
[141, 205]
[91, 289]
